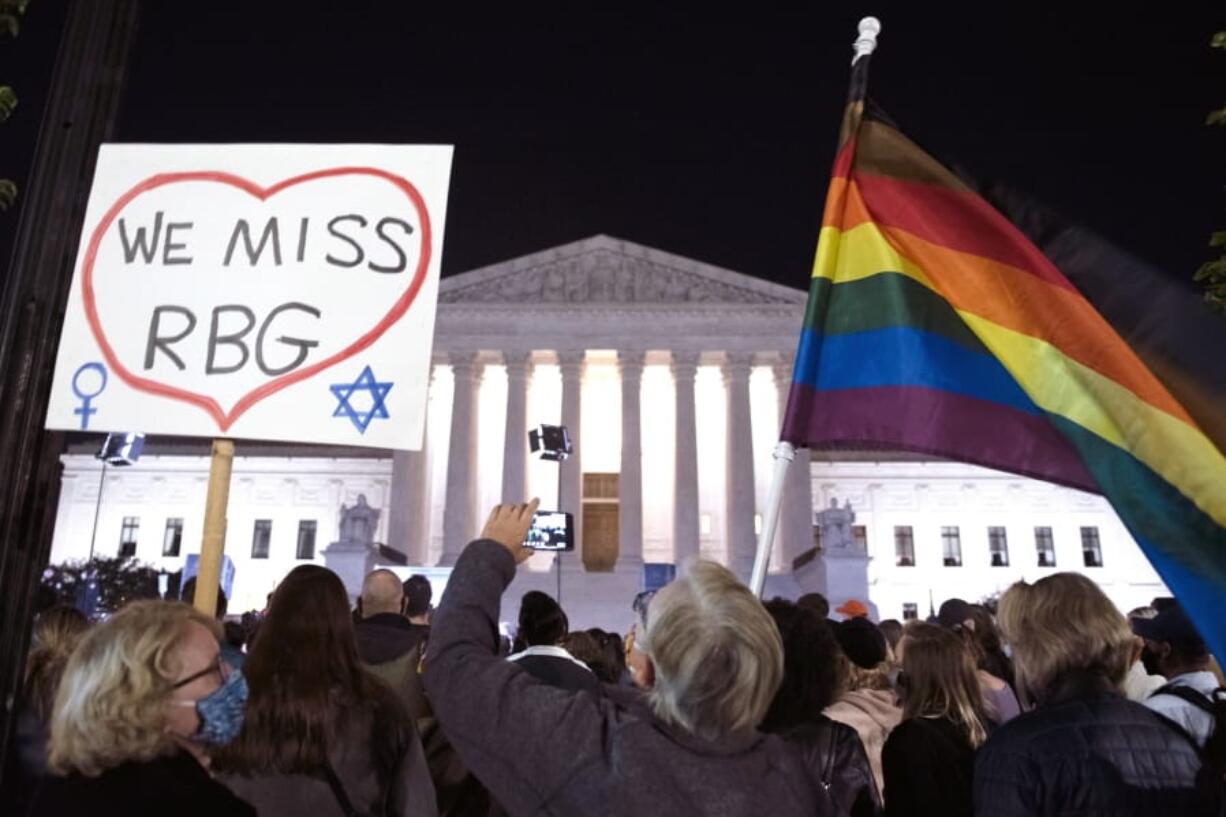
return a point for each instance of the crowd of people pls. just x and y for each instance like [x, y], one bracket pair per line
[713, 703]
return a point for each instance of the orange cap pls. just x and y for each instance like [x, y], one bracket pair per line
[852, 609]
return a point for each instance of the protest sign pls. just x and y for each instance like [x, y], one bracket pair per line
[276, 292]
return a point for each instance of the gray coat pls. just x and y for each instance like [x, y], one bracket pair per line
[547, 751]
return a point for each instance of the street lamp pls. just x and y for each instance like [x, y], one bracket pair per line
[118, 450]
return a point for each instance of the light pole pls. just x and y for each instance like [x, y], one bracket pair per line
[118, 450]
[553, 443]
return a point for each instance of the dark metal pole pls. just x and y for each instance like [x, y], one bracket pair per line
[79, 115]
[97, 510]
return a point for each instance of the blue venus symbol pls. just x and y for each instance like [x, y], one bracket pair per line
[366, 382]
[85, 410]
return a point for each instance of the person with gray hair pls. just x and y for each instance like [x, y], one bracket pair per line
[689, 746]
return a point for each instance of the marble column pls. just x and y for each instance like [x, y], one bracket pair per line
[515, 444]
[740, 504]
[685, 474]
[459, 518]
[795, 535]
[630, 480]
[408, 509]
[570, 483]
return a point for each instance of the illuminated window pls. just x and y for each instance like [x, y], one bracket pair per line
[951, 546]
[260, 537]
[998, 546]
[1045, 546]
[904, 546]
[306, 539]
[1091, 548]
[127, 536]
[172, 539]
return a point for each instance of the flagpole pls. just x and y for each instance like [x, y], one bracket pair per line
[785, 452]
[866, 43]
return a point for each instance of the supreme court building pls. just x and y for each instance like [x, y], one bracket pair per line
[671, 375]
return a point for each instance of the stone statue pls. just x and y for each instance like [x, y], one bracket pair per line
[836, 529]
[358, 523]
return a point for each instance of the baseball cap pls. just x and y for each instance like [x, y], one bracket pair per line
[1173, 627]
[953, 613]
[852, 608]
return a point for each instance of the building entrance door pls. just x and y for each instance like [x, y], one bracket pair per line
[600, 522]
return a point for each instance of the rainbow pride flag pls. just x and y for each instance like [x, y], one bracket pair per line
[970, 324]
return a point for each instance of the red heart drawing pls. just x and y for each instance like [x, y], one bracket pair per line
[223, 418]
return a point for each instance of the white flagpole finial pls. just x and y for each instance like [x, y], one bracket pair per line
[866, 43]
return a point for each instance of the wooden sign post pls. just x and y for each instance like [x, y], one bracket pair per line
[208, 574]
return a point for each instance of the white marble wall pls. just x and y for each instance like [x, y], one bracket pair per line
[285, 490]
[929, 495]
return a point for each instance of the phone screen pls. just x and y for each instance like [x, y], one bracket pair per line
[551, 530]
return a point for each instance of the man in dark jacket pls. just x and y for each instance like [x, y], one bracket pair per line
[690, 748]
[392, 646]
[388, 643]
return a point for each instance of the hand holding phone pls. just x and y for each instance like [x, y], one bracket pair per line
[551, 530]
[508, 525]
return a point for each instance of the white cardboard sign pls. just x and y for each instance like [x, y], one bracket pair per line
[275, 292]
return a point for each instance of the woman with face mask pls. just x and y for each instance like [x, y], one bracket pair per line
[323, 736]
[143, 699]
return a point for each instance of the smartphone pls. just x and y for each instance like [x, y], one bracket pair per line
[551, 530]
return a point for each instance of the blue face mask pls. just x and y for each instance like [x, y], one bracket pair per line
[221, 711]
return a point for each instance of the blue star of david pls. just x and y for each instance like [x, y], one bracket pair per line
[378, 394]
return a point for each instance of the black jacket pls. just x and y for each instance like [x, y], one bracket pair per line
[549, 751]
[836, 753]
[559, 671]
[387, 636]
[176, 784]
[928, 765]
[1089, 751]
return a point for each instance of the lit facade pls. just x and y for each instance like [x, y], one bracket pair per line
[671, 375]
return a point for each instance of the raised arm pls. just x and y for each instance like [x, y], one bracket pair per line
[521, 738]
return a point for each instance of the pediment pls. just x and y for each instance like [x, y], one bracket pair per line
[606, 270]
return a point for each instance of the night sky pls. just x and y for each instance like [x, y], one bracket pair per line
[705, 136]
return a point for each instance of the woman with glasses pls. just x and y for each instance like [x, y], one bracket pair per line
[142, 700]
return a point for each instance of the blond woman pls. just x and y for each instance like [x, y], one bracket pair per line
[141, 699]
[1085, 749]
[929, 758]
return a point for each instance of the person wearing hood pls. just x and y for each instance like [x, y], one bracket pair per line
[143, 699]
[868, 703]
[389, 644]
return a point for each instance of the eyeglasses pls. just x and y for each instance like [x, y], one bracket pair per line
[218, 666]
[641, 602]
